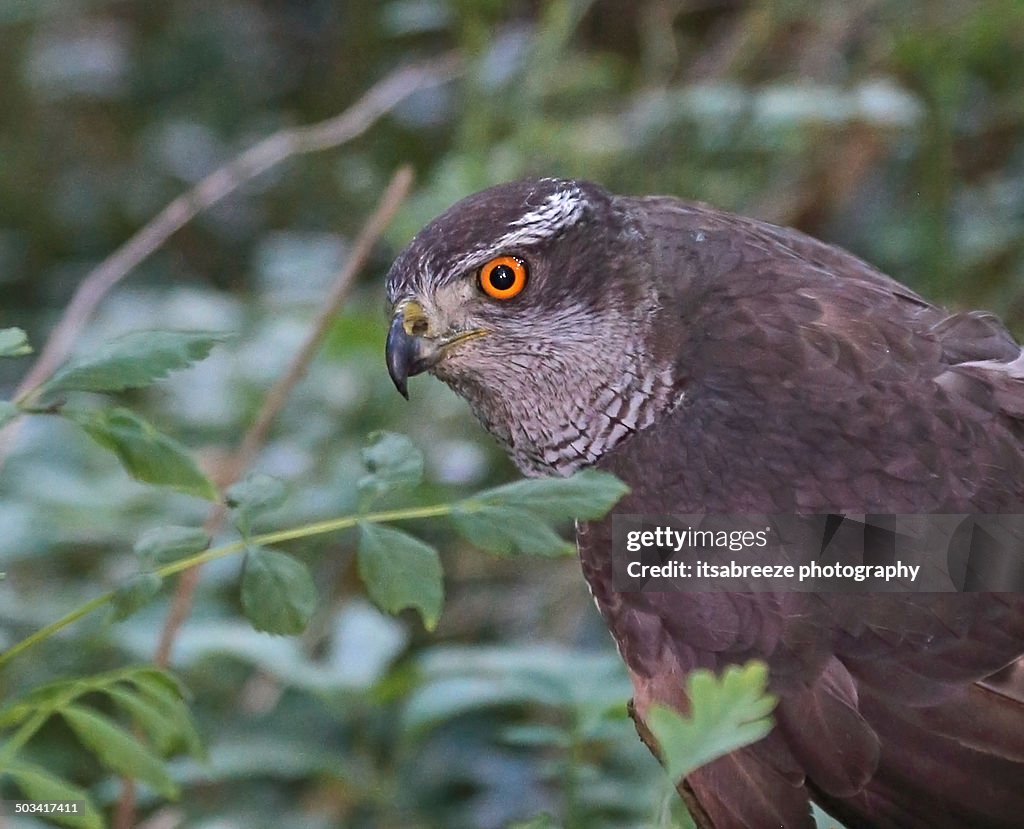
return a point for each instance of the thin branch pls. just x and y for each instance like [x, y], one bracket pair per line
[193, 561]
[274, 402]
[256, 436]
[271, 151]
[380, 99]
[396, 193]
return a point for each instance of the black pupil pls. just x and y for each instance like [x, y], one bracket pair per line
[502, 278]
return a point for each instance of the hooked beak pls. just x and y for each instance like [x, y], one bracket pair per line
[411, 347]
[403, 352]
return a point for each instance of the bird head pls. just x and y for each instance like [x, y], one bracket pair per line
[532, 300]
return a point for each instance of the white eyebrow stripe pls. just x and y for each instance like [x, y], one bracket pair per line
[560, 210]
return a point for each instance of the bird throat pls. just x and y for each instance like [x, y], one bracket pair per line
[587, 412]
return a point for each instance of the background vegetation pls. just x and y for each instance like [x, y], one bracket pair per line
[892, 128]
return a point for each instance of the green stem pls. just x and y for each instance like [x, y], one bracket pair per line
[53, 627]
[305, 531]
[22, 736]
[33, 724]
[28, 729]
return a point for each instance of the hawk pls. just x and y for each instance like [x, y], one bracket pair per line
[719, 364]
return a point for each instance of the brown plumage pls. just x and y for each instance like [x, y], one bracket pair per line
[720, 364]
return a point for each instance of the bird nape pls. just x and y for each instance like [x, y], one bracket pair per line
[719, 364]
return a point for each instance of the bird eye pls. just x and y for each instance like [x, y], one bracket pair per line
[503, 277]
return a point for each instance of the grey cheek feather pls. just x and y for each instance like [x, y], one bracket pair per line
[590, 404]
[589, 365]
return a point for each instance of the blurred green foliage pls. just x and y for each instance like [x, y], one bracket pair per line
[892, 128]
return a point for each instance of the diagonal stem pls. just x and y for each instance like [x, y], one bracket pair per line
[265, 539]
[256, 436]
[274, 402]
[380, 99]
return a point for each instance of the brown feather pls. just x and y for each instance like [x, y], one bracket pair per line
[718, 364]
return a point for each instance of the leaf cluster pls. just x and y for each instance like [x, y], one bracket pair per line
[133, 361]
[279, 595]
[726, 712]
[400, 570]
[128, 720]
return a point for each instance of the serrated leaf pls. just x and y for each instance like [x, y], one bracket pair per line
[392, 461]
[586, 495]
[506, 530]
[14, 343]
[401, 571]
[8, 411]
[39, 785]
[147, 454]
[162, 545]
[135, 593]
[119, 750]
[133, 361]
[278, 594]
[256, 493]
[726, 713]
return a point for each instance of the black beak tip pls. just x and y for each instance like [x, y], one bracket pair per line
[400, 352]
[399, 370]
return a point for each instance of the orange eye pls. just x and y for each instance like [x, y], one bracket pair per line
[503, 277]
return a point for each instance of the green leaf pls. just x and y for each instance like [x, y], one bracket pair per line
[135, 593]
[119, 750]
[8, 411]
[154, 697]
[278, 594]
[13, 713]
[393, 462]
[14, 343]
[726, 713]
[133, 361]
[506, 530]
[147, 454]
[456, 680]
[586, 495]
[162, 545]
[39, 785]
[256, 493]
[162, 730]
[162, 682]
[401, 571]
[168, 695]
